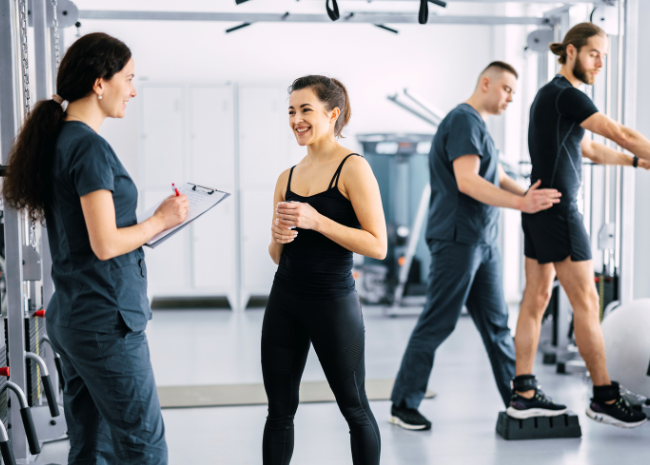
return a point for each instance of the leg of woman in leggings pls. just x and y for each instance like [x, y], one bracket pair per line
[337, 332]
[285, 345]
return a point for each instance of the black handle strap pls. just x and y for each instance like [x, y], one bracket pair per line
[333, 12]
[49, 394]
[7, 453]
[423, 15]
[30, 431]
[635, 162]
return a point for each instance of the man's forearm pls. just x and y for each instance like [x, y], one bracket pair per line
[604, 155]
[486, 192]
[636, 143]
[508, 184]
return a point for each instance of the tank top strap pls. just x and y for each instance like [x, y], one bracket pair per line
[289, 181]
[337, 174]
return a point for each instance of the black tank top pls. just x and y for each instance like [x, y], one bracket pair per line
[313, 266]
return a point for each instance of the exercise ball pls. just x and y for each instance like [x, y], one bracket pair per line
[626, 331]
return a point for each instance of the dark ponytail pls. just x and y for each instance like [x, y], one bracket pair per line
[331, 92]
[578, 36]
[27, 182]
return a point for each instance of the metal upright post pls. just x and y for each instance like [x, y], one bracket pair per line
[9, 124]
[631, 39]
[41, 49]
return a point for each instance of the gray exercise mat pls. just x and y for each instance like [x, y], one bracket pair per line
[222, 395]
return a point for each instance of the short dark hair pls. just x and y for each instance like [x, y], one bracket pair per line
[502, 66]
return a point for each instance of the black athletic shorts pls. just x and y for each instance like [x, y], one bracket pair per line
[552, 236]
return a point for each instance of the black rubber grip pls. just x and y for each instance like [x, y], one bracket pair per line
[7, 453]
[30, 431]
[51, 397]
[59, 370]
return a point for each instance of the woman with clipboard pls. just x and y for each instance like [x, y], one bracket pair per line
[62, 171]
[327, 207]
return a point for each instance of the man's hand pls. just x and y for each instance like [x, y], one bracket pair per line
[537, 199]
[645, 164]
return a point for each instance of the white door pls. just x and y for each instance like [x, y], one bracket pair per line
[214, 245]
[163, 161]
[263, 150]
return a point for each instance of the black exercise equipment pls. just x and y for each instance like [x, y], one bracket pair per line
[562, 426]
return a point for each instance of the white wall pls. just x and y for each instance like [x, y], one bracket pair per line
[439, 62]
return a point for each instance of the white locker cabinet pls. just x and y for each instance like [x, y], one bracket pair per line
[195, 133]
[168, 270]
[263, 117]
[162, 143]
[162, 162]
[212, 148]
[257, 267]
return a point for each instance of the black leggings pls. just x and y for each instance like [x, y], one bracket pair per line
[336, 328]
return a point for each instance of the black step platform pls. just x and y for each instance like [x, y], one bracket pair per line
[562, 426]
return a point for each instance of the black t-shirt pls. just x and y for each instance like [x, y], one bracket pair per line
[90, 292]
[554, 137]
[454, 216]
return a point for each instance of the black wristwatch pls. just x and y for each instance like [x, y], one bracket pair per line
[635, 162]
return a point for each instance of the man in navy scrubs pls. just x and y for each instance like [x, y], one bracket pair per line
[467, 186]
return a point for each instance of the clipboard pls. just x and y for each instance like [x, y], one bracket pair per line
[202, 199]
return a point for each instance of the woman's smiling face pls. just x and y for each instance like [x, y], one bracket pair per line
[309, 118]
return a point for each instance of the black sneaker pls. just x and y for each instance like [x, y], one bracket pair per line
[408, 418]
[537, 406]
[618, 414]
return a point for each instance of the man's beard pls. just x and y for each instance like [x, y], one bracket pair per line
[581, 73]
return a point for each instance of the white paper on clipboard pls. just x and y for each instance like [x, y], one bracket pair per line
[201, 200]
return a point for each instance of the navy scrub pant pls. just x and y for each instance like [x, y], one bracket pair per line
[110, 398]
[460, 274]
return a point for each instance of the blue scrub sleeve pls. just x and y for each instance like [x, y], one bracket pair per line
[575, 105]
[465, 137]
[92, 167]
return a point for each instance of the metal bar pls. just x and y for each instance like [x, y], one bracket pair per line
[414, 238]
[9, 124]
[619, 118]
[607, 253]
[394, 99]
[631, 38]
[41, 49]
[357, 17]
[595, 2]
[436, 113]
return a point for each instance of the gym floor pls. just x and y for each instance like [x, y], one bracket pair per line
[220, 347]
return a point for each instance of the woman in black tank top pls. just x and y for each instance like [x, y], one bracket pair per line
[316, 228]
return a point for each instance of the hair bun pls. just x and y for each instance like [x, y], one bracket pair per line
[557, 48]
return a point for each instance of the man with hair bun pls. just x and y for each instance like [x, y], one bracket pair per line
[467, 186]
[556, 242]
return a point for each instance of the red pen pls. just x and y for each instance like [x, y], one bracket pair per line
[175, 190]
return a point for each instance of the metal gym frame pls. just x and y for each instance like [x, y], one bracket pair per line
[28, 281]
[14, 100]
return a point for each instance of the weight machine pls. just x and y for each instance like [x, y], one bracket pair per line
[29, 367]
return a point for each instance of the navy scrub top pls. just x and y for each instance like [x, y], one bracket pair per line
[90, 293]
[454, 216]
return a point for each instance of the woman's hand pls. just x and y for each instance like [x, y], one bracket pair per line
[282, 234]
[173, 211]
[298, 215]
